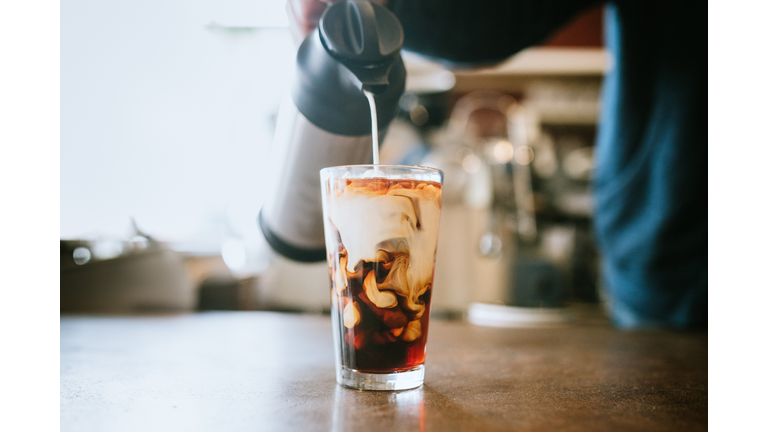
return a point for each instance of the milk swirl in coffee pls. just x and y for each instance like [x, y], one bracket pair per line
[382, 268]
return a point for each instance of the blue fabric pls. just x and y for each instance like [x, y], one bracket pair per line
[650, 184]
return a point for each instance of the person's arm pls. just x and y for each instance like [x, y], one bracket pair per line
[480, 31]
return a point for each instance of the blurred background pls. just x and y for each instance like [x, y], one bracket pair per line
[168, 109]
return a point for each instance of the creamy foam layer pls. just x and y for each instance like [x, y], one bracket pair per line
[372, 216]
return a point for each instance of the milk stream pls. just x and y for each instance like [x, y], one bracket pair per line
[374, 126]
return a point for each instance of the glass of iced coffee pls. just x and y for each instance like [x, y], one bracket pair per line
[381, 225]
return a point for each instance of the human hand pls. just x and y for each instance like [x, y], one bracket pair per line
[303, 16]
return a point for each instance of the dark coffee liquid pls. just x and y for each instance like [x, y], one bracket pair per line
[375, 343]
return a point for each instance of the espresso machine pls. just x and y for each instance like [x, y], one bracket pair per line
[326, 121]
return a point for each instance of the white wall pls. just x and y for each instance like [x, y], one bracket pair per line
[166, 118]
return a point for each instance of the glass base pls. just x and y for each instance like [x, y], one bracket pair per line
[409, 379]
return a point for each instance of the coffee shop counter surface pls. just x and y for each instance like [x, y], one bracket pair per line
[254, 371]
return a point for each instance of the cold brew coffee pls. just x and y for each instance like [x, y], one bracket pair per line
[381, 226]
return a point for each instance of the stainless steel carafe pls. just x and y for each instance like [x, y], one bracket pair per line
[327, 119]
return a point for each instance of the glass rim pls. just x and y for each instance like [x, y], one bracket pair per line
[372, 166]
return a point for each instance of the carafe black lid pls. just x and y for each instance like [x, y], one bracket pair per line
[356, 47]
[360, 32]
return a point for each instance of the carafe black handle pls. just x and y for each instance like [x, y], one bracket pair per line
[361, 30]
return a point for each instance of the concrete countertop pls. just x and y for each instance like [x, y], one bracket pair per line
[232, 371]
